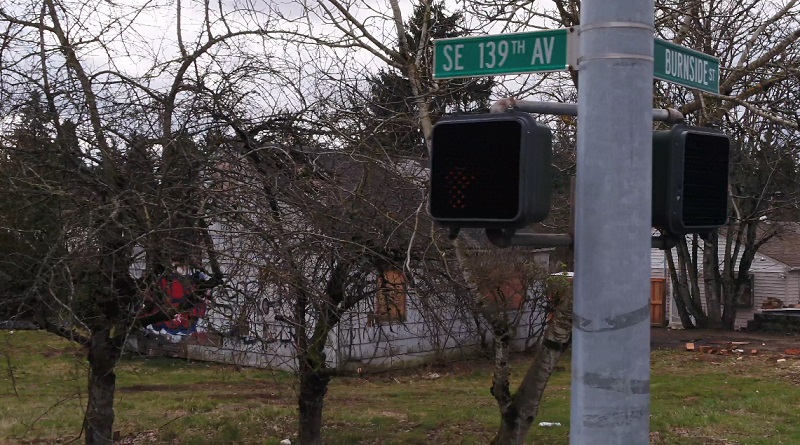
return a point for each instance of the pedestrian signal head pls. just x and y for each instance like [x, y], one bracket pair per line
[490, 171]
[690, 179]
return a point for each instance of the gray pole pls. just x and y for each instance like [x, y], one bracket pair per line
[611, 333]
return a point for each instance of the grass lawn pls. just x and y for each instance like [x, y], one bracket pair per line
[696, 399]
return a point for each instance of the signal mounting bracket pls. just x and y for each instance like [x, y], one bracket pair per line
[509, 237]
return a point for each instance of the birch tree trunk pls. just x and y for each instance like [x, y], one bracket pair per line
[518, 415]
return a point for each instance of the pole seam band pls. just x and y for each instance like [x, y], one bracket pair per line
[617, 56]
[604, 25]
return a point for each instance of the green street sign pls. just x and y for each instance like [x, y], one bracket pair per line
[685, 66]
[523, 52]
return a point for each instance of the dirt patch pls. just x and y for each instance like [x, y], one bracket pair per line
[140, 438]
[248, 386]
[706, 440]
[221, 391]
[427, 371]
[248, 396]
[663, 338]
[69, 351]
[453, 432]
[346, 399]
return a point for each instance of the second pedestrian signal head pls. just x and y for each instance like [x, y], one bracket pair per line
[490, 171]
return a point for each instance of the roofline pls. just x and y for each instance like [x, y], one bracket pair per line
[787, 266]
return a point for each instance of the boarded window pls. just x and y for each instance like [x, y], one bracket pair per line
[511, 294]
[506, 294]
[390, 299]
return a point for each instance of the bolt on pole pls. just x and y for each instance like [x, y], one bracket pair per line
[610, 400]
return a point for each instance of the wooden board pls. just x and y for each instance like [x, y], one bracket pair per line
[658, 302]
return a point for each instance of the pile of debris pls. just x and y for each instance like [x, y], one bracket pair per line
[722, 348]
[732, 348]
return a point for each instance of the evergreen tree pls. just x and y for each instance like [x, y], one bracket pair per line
[31, 167]
[392, 102]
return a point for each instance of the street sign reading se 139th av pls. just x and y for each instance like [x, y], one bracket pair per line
[524, 52]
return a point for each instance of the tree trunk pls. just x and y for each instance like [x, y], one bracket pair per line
[500, 385]
[692, 264]
[683, 312]
[313, 387]
[734, 281]
[686, 304]
[689, 272]
[729, 318]
[517, 416]
[481, 332]
[731, 290]
[98, 422]
[711, 278]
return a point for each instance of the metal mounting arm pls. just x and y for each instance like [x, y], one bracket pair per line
[670, 115]
[507, 238]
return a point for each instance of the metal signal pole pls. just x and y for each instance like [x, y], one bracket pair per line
[611, 334]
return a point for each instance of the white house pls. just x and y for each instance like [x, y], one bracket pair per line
[377, 335]
[775, 273]
[245, 325]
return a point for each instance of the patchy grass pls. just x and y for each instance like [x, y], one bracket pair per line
[720, 400]
[696, 399]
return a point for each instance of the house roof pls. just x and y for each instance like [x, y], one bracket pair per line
[785, 245]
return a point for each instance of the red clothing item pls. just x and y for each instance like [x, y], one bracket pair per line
[178, 293]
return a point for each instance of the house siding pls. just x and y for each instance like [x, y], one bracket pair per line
[658, 264]
[246, 335]
[766, 284]
[793, 287]
[356, 342]
[437, 332]
[771, 279]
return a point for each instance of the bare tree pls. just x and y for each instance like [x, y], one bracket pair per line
[757, 46]
[354, 26]
[325, 232]
[525, 286]
[130, 163]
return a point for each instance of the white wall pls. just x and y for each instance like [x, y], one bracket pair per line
[429, 329]
[771, 278]
[443, 330]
